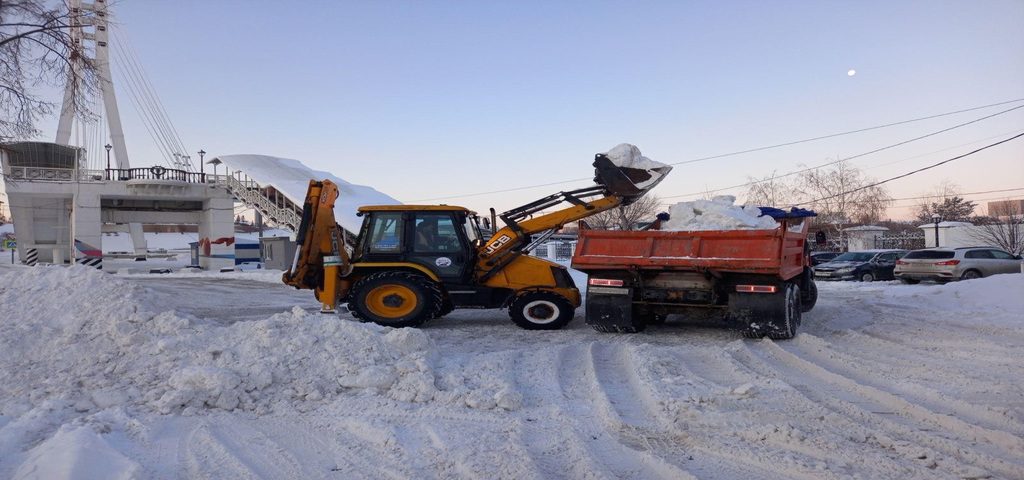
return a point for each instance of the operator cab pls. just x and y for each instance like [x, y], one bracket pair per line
[442, 238]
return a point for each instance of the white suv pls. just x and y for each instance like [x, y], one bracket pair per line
[945, 264]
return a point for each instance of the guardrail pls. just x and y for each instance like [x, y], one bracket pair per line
[252, 194]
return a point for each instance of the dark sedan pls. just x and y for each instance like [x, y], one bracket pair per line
[866, 266]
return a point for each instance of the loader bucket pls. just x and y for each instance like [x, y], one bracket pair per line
[628, 183]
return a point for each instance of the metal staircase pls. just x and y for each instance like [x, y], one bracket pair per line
[279, 209]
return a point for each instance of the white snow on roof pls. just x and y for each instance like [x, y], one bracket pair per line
[866, 228]
[291, 178]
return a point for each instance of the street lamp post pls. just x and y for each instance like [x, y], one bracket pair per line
[935, 219]
[202, 174]
[108, 147]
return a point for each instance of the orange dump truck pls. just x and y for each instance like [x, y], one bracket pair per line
[758, 281]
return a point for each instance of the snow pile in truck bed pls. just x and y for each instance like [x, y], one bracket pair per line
[88, 339]
[719, 213]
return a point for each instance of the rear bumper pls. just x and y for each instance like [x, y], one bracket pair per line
[926, 276]
[829, 276]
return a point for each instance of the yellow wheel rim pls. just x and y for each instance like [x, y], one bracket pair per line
[391, 301]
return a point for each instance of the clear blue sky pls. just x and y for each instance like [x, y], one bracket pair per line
[431, 99]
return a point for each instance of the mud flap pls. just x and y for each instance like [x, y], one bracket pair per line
[755, 313]
[612, 313]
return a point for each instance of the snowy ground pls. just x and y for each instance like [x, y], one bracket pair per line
[235, 376]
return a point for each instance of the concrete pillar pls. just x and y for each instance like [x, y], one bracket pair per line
[217, 234]
[86, 226]
[138, 239]
[24, 228]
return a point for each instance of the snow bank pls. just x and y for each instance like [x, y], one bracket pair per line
[719, 213]
[76, 452]
[291, 178]
[95, 341]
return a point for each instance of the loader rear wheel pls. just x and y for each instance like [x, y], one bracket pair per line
[395, 299]
[541, 311]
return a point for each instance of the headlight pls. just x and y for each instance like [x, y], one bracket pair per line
[845, 270]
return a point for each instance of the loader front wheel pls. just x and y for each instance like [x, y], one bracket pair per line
[541, 311]
[395, 299]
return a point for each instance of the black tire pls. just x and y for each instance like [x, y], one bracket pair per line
[395, 299]
[910, 281]
[809, 298]
[446, 307]
[785, 323]
[971, 275]
[867, 277]
[541, 311]
[751, 333]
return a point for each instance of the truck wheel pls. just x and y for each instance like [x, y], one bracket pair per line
[783, 326]
[809, 298]
[541, 311]
[395, 299]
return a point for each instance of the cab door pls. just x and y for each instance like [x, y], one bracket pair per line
[438, 241]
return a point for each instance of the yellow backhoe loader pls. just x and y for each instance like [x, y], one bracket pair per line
[412, 263]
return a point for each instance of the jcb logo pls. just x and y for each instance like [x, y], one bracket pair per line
[495, 245]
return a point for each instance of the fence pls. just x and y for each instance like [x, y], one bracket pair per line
[555, 250]
[903, 241]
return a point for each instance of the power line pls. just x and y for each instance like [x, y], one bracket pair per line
[912, 172]
[779, 145]
[859, 155]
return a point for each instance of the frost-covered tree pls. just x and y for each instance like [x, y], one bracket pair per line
[770, 191]
[627, 217]
[37, 51]
[842, 195]
[1003, 227]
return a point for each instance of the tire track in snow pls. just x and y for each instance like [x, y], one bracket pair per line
[620, 457]
[349, 448]
[872, 373]
[866, 406]
[218, 449]
[615, 374]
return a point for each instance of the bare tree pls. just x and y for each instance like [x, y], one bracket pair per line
[1004, 227]
[770, 191]
[38, 50]
[842, 195]
[627, 217]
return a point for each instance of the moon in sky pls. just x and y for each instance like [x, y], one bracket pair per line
[851, 73]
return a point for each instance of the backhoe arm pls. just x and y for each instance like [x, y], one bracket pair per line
[320, 257]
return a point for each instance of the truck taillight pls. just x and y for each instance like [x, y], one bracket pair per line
[605, 282]
[949, 262]
[757, 288]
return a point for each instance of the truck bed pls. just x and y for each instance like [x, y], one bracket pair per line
[777, 252]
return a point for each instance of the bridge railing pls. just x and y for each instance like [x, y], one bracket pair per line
[279, 210]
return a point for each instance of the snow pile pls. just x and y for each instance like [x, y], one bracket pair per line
[628, 156]
[719, 213]
[291, 177]
[79, 336]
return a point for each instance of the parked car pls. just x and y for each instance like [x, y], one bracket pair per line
[818, 258]
[866, 266]
[945, 264]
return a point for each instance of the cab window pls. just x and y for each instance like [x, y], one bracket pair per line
[435, 232]
[386, 233]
